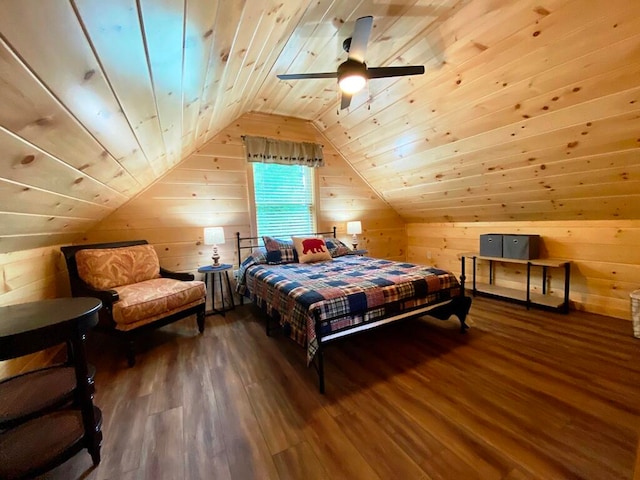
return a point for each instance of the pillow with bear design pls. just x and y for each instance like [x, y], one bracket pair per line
[311, 249]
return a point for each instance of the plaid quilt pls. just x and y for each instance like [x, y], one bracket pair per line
[346, 291]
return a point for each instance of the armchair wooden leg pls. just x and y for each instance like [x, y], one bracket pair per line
[129, 351]
[200, 316]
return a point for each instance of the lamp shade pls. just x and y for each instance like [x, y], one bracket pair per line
[354, 228]
[213, 235]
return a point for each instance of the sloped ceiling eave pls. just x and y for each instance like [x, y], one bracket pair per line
[527, 110]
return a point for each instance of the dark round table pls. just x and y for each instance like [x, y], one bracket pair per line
[214, 271]
[50, 415]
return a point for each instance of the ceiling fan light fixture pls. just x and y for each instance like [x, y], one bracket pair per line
[352, 76]
[352, 83]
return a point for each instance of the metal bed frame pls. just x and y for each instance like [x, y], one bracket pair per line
[254, 242]
[458, 306]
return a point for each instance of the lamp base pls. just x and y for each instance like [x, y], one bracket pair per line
[355, 246]
[215, 257]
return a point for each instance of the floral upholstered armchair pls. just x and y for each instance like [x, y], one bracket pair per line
[137, 294]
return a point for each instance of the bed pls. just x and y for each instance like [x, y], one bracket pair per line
[317, 303]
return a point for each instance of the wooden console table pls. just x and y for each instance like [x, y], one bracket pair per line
[544, 300]
[47, 415]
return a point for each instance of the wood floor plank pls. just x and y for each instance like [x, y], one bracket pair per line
[447, 465]
[523, 395]
[247, 452]
[168, 378]
[123, 435]
[339, 456]
[163, 449]
[378, 449]
[204, 452]
[370, 397]
[299, 462]
[518, 474]
[281, 426]
[452, 441]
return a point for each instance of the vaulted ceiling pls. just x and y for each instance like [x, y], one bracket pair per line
[528, 110]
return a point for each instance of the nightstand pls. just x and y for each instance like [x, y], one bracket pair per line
[359, 252]
[213, 272]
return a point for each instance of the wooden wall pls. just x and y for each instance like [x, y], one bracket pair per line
[605, 256]
[210, 188]
[528, 110]
[31, 275]
[532, 113]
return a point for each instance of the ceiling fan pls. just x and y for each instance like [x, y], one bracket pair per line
[353, 74]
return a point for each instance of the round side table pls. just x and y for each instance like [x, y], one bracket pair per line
[55, 417]
[222, 273]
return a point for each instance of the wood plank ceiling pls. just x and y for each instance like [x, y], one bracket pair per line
[529, 110]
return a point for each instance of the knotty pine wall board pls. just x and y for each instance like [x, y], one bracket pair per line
[31, 112]
[128, 73]
[479, 78]
[544, 171]
[28, 275]
[527, 111]
[605, 263]
[76, 78]
[210, 188]
[504, 83]
[539, 132]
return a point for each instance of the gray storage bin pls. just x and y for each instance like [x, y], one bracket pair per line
[491, 245]
[522, 247]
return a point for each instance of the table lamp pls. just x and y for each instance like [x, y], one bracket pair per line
[214, 236]
[354, 228]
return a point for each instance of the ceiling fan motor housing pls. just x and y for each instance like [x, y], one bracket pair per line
[346, 44]
[352, 67]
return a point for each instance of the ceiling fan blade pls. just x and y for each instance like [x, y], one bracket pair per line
[302, 76]
[346, 101]
[360, 37]
[382, 72]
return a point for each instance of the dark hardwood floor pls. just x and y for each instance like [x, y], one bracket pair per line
[523, 395]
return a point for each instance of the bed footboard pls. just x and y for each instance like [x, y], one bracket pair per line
[458, 306]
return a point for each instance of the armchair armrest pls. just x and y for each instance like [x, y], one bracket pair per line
[108, 297]
[176, 275]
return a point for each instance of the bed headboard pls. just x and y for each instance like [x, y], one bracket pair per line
[251, 243]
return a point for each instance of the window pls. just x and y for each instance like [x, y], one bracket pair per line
[284, 196]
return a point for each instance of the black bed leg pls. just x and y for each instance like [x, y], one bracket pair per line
[459, 306]
[461, 312]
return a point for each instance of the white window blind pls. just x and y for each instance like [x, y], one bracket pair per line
[284, 199]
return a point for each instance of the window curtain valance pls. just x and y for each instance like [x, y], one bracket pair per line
[270, 150]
